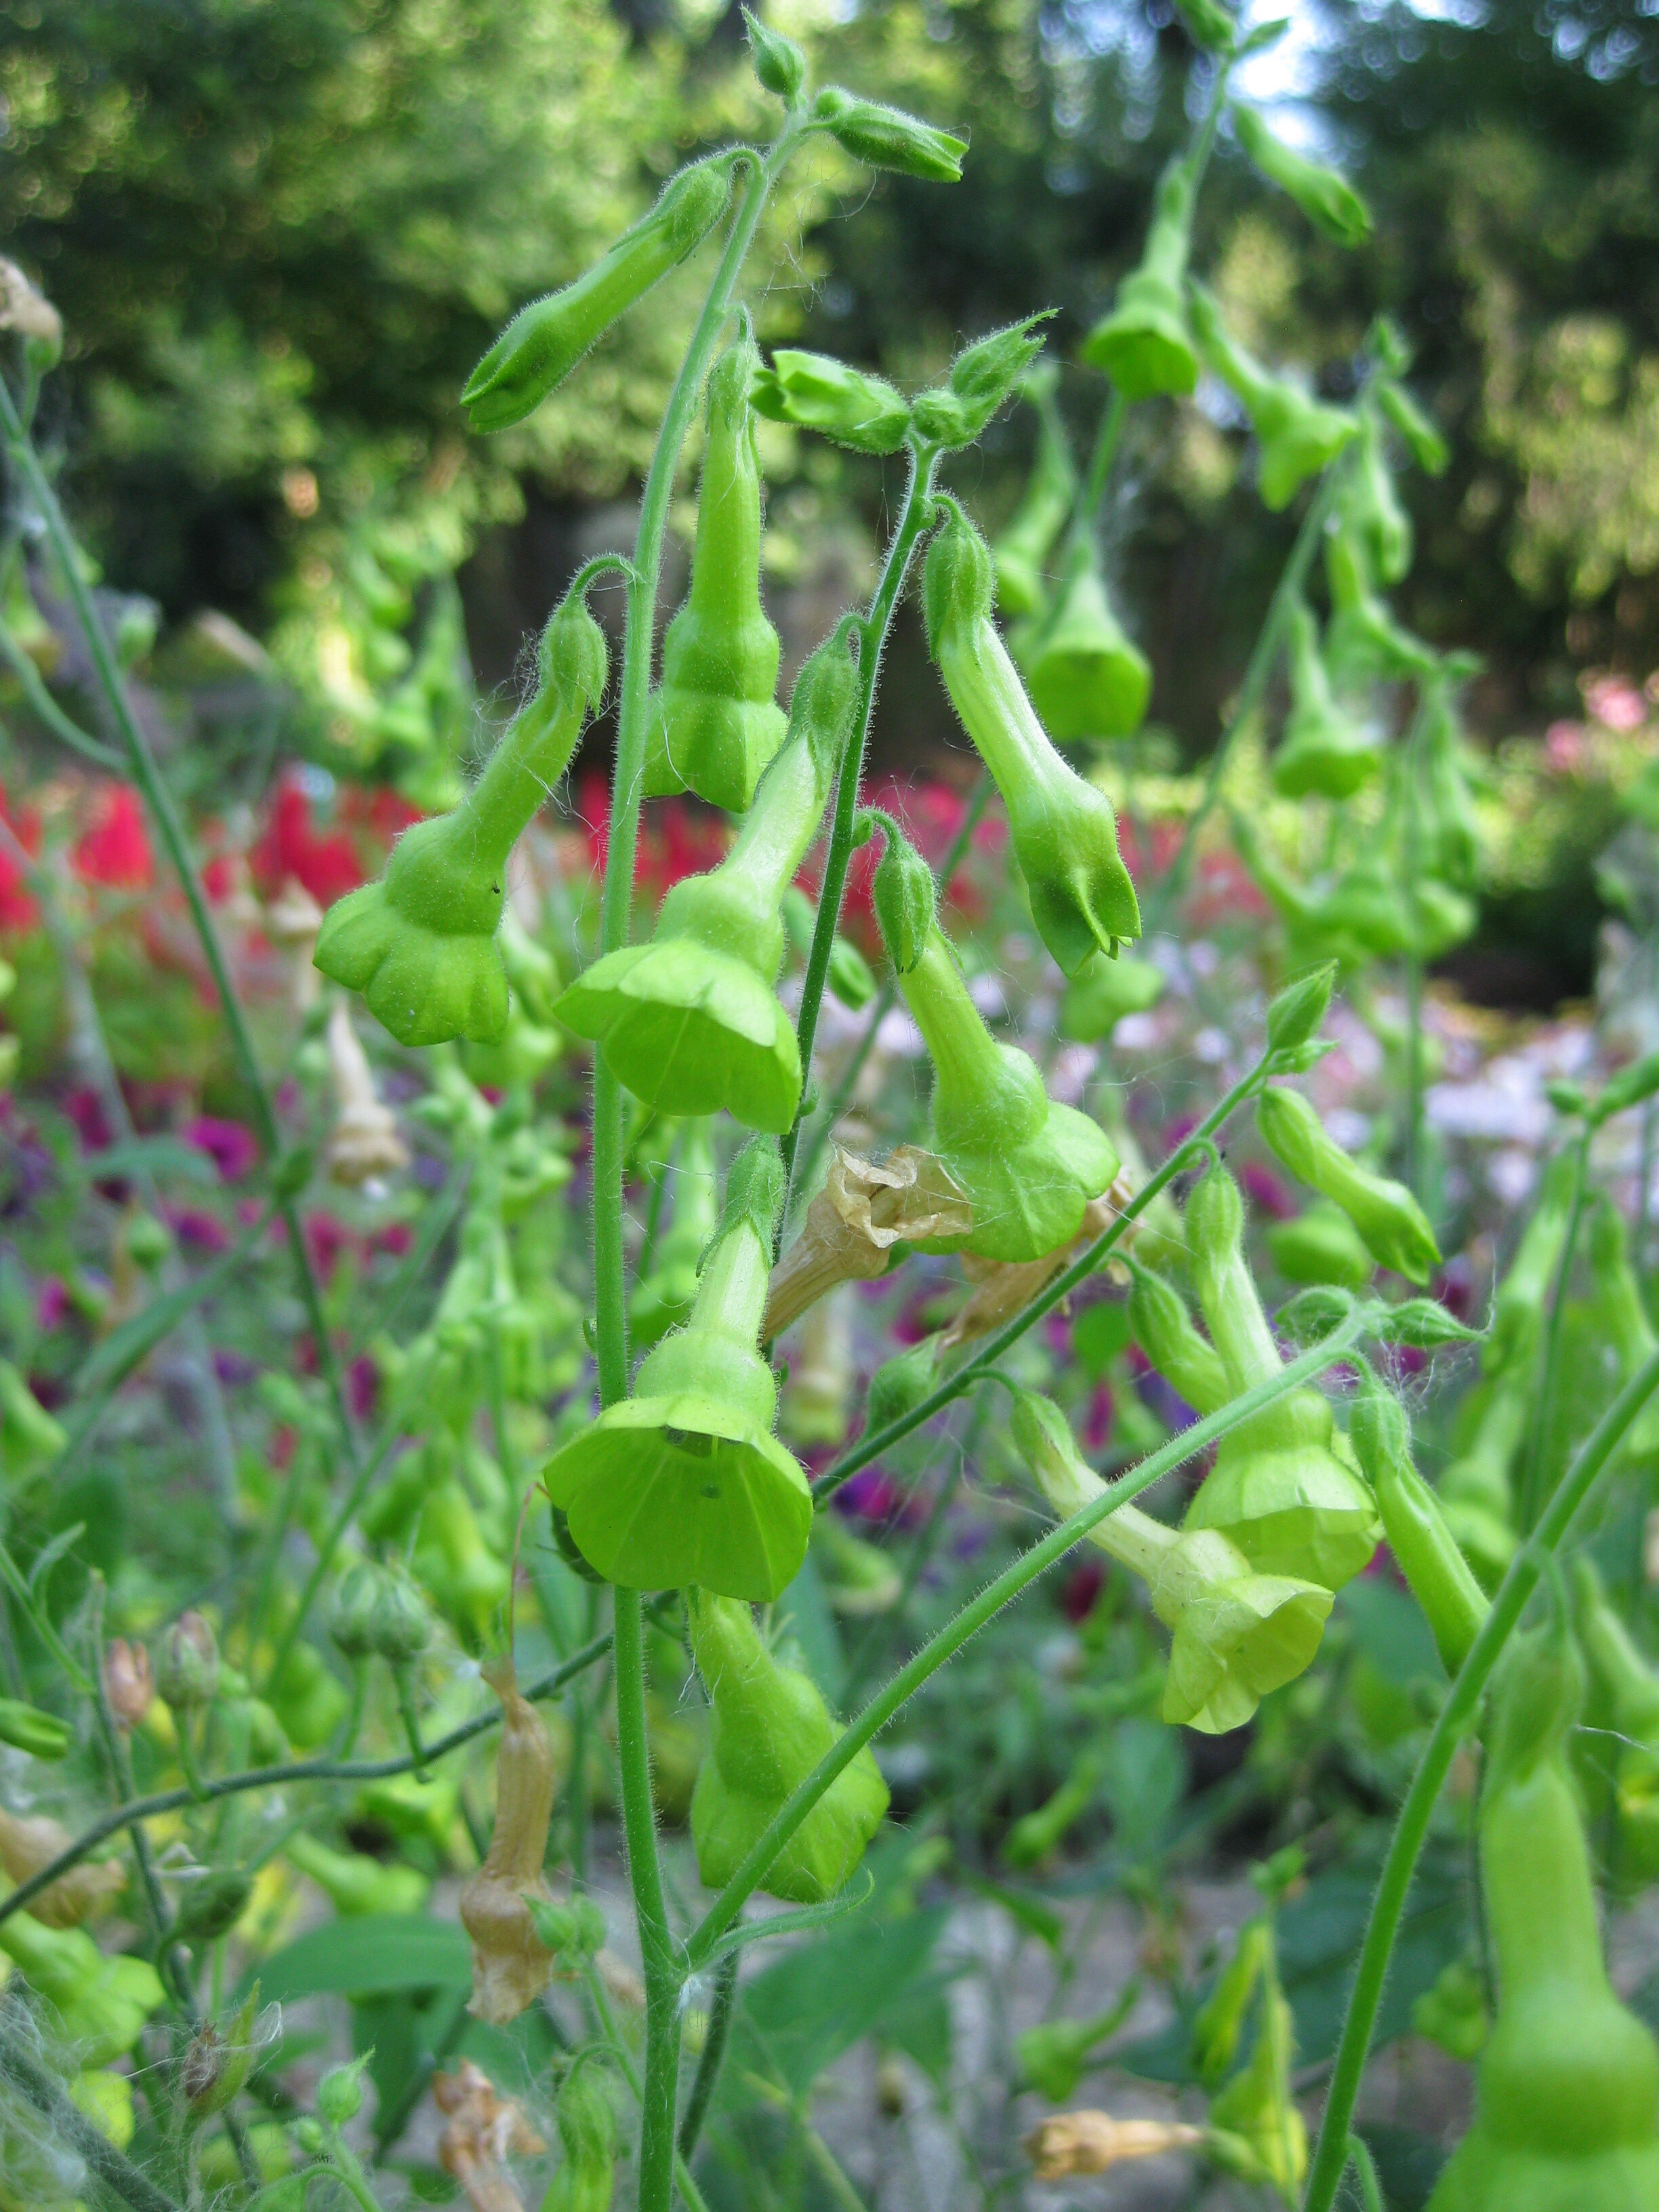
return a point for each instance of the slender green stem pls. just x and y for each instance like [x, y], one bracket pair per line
[712, 2055]
[1413, 751]
[870, 1448]
[1544, 1408]
[658, 1952]
[912, 522]
[1456, 1716]
[48, 708]
[1364, 2167]
[159, 801]
[138, 1809]
[990, 1601]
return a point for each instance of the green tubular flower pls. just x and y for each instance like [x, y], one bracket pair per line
[1064, 831]
[1032, 530]
[1363, 644]
[816, 391]
[1567, 2088]
[102, 2003]
[587, 2181]
[29, 1436]
[1036, 1834]
[1373, 507]
[420, 944]
[1145, 345]
[1028, 1166]
[544, 341]
[1324, 751]
[769, 1729]
[715, 723]
[684, 1482]
[690, 1021]
[354, 1883]
[1424, 1546]
[1280, 1489]
[1623, 1321]
[1257, 2110]
[1053, 2056]
[1097, 1000]
[1448, 828]
[1086, 679]
[1329, 201]
[1321, 1246]
[664, 1298]
[1393, 1225]
[27, 1727]
[1236, 1634]
[1359, 918]
[1299, 435]
[1518, 1308]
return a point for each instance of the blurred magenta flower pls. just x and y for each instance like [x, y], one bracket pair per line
[233, 1149]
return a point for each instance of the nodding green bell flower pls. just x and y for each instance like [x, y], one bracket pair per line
[1029, 1167]
[1372, 504]
[420, 944]
[1393, 1225]
[1428, 448]
[102, 2002]
[1324, 751]
[684, 1482]
[769, 1730]
[816, 391]
[1236, 1634]
[1281, 1488]
[1032, 530]
[544, 341]
[1329, 201]
[1064, 831]
[1449, 831]
[690, 1021]
[715, 723]
[1321, 1246]
[887, 138]
[1424, 1548]
[1299, 436]
[1567, 2087]
[1097, 1000]
[1145, 345]
[355, 1883]
[663, 1299]
[1363, 643]
[1086, 679]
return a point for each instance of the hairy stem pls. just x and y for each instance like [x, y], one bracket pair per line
[658, 1952]
[714, 2054]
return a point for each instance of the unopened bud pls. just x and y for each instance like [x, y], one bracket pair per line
[187, 1673]
[887, 138]
[340, 2094]
[129, 1683]
[779, 62]
[904, 896]
[1295, 1014]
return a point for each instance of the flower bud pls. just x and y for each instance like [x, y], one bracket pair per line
[511, 1966]
[815, 392]
[984, 374]
[351, 1614]
[1161, 1325]
[187, 1672]
[1423, 1547]
[1325, 750]
[1328, 200]
[1298, 435]
[1299, 1010]
[1321, 1246]
[899, 1384]
[210, 1906]
[778, 62]
[1393, 1225]
[129, 1684]
[544, 341]
[577, 1926]
[886, 138]
[340, 2092]
[903, 893]
[850, 979]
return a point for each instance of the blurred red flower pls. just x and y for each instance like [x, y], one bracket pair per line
[113, 849]
[17, 909]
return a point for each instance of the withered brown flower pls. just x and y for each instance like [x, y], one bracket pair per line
[1092, 2142]
[29, 1843]
[865, 1209]
[483, 2129]
[511, 1966]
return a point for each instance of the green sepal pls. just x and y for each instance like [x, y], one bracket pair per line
[1328, 200]
[1086, 679]
[982, 378]
[816, 391]
[1298, 1013]
[769, 1729]
[887, 138]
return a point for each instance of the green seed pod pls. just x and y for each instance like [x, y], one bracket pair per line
[664, 1297]
[1257, 2108]
[904, 894]
[1145, 344]
[544, 341]
[1321, 1246]
[1567, 2088]
[684, 1482]
[1029, 536]
[768, 1730]
[1299, 436]
[1424, 1546]
[26, 1727]
[886, 138]
[1393, 1225]
[211, 1907]
[1161, 1325]
[1236, 1634]
[187, 1669]
[216, 2066]
[340, 2092]
[1029, 1167]
[420, 944]
[1324, 751]
[689, 1022]
[715, 723]
[1086, 679]
[778, 62]
[1063, 830]
[1329, 201]
[1280, 1488]
[815, 392]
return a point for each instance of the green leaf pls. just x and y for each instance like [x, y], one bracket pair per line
[153, 1156]
[378, 1954]
[803, 2012]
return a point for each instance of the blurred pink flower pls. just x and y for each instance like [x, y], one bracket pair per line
[1615, 702]
[233, 1149]
[1565, 747]
[51, 1302]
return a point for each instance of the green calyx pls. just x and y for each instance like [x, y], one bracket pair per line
[769, 1729]
[1280, 1488]
[1393, 1225]
[684, 1482]
[1324, 751]
[1236, 1634]
[421, 944]
[1567, 2089]
[902, 892]
[689, 1022]
[1145, 345]
[1298, 435]
[1086, 679]
[1063, 830]
[544, 341]
[715, 723]
[1029, 1167]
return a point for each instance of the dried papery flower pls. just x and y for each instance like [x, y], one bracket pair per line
[511, 1966]
[129, 1682]
[364, 1141]
[483, 2129]
[25, 309]
[1003, 1288]
[864, 1210]
[1092, 2142]
[26, 1844]
[293, 919]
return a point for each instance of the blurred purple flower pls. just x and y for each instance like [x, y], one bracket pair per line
[1263, 1187]
[51, 1302]
[197, 1230]
[1097, 1425]
[362, 1387]
[1081, 1588]
[233, 1149]
[233, 1368]
[85, 1109]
